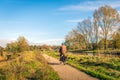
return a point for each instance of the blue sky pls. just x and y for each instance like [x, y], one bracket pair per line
[45, 21]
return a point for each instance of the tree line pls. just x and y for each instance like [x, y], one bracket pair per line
[102, 31]
[14, 48]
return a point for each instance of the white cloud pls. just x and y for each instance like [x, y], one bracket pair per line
[3, 42]
[90, 5]
[52, 40]
[119, 12]
[49, 42]
[77, 7]
[74, 21]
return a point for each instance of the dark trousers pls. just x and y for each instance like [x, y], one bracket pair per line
[63, 58]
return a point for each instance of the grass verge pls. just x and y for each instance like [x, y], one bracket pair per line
[29, 66]
[100, 67]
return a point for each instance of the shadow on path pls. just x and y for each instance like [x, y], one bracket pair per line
[53, 63]
[3, 60]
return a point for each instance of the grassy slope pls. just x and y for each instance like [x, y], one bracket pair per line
[29, 66]
[101, 67]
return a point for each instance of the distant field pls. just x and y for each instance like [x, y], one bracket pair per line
[102, 67]
[29, 66]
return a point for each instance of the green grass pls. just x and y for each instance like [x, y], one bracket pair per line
[29, 66]
[104, 68]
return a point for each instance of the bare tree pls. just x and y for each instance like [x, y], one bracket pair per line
[75, 40]
[86, 29]
[106, 18]
[96, 32]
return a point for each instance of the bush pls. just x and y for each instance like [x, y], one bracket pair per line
[29, 65]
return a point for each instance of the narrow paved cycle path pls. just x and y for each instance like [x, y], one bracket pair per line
[66, 72]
